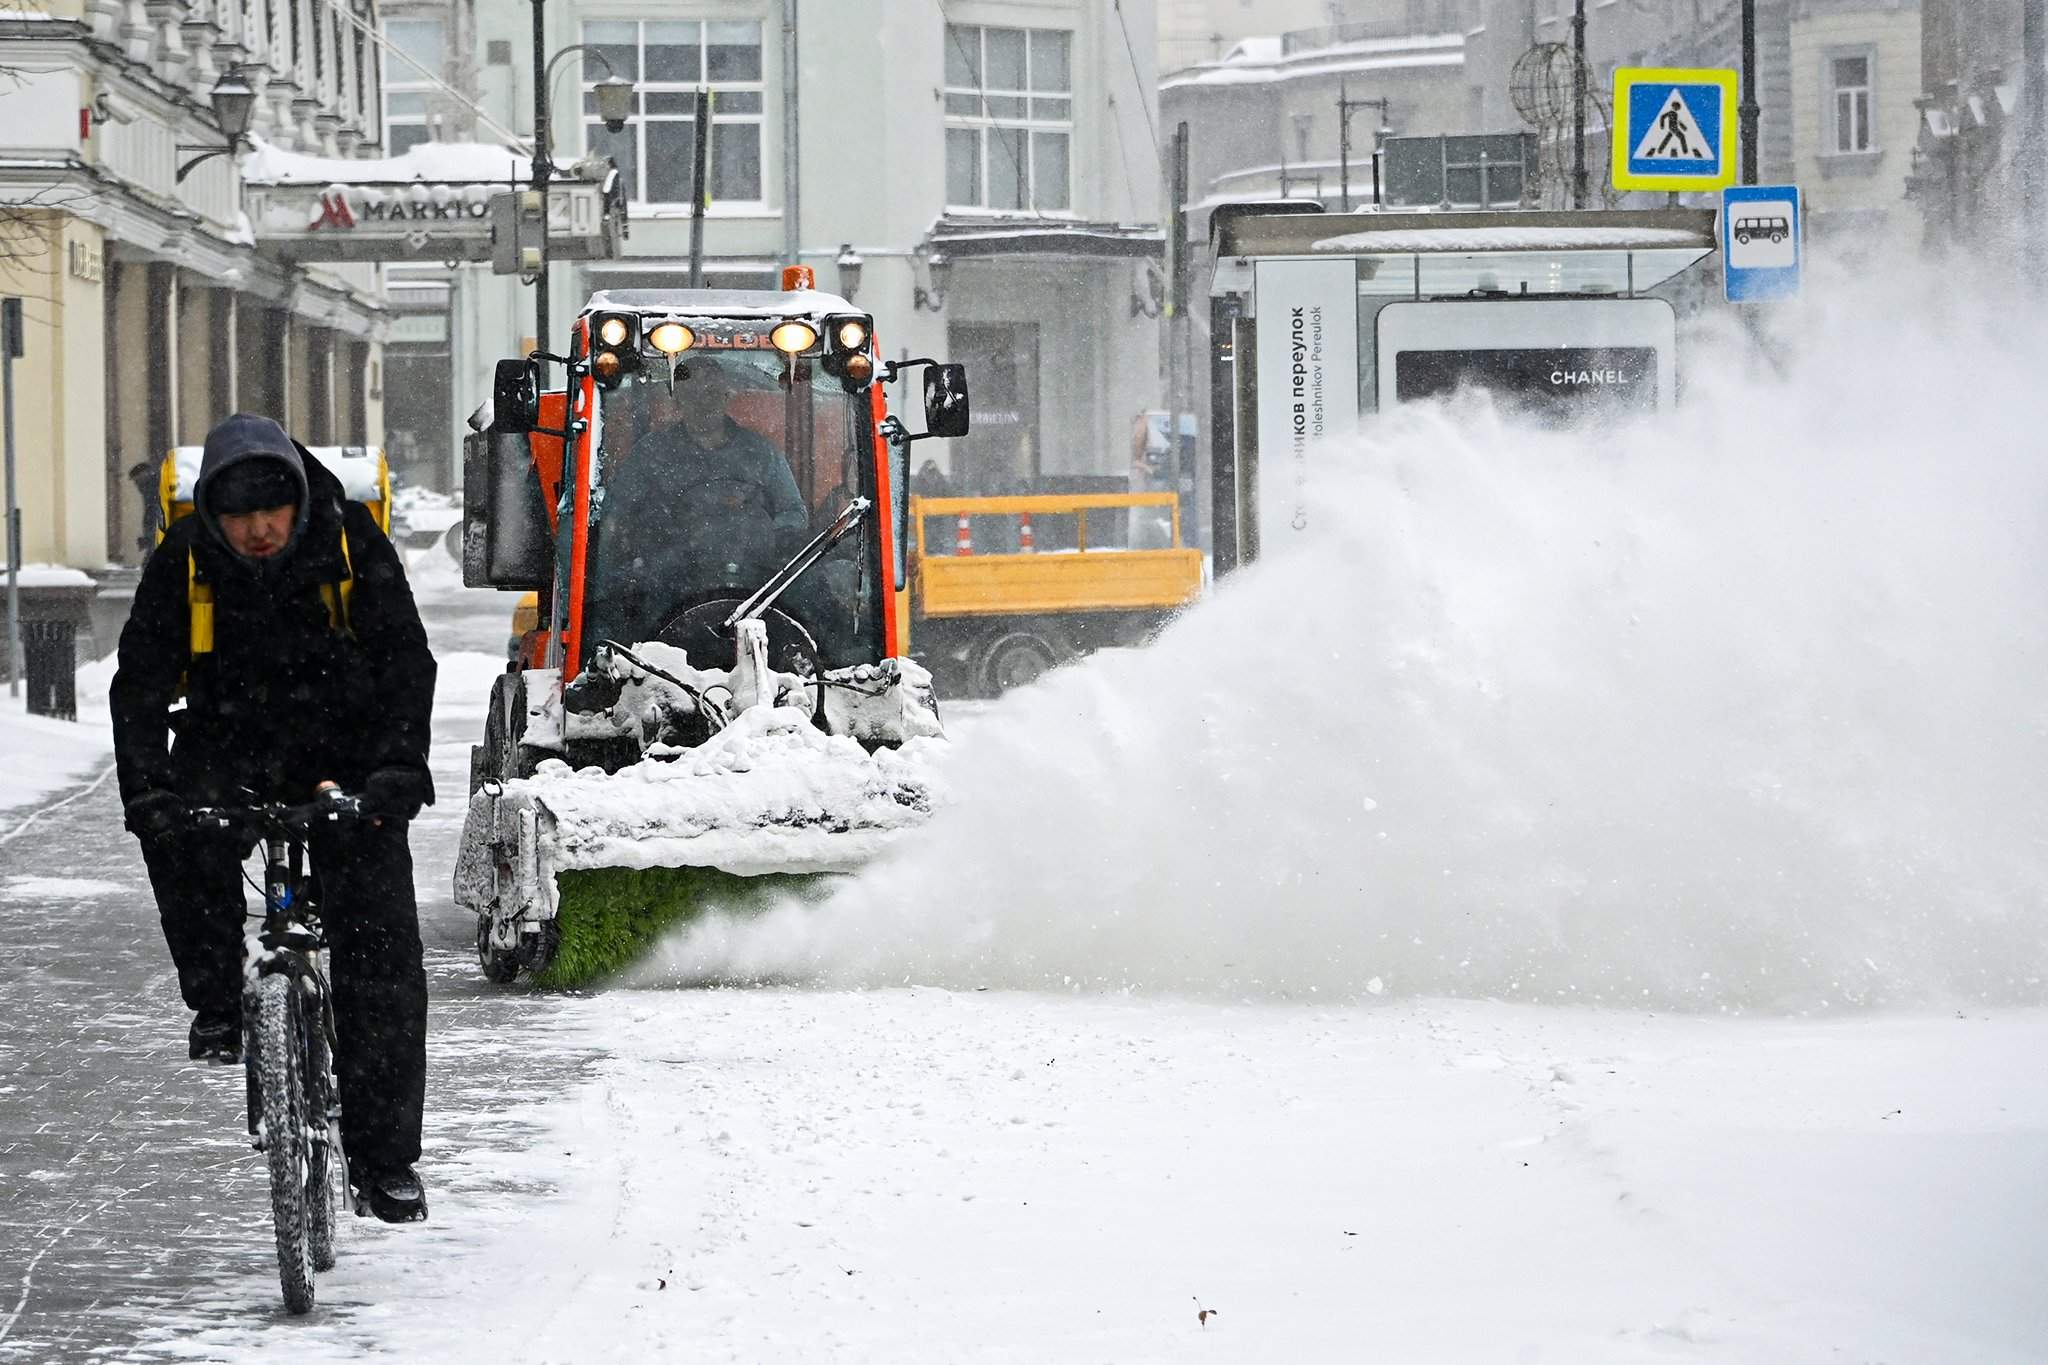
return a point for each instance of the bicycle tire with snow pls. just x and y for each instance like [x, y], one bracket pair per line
[323, 1159]
[280, 1063]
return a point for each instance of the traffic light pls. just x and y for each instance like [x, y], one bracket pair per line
[515, 233]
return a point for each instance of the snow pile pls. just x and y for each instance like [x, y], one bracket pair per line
[48, 576]
[45, 756]
[768, 793]
[1736, 709]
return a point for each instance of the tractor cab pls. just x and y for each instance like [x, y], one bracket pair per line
[716, 457]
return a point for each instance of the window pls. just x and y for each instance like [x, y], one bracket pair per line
[1009, 118]
[1851, 81]
[406, 90]
[668, 61]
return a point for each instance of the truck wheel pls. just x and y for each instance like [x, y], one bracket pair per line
[1014, 660]
[499, 964]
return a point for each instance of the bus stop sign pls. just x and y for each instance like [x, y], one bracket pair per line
[1761, 249]
[1673, 130]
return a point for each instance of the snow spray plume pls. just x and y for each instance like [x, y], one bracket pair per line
[1740, 708]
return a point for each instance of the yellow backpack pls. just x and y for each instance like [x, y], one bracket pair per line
[199, 598]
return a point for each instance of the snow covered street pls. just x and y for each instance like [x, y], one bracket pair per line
[916, 1173]
[1514, 928]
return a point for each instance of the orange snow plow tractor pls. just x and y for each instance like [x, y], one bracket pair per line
[712, 517]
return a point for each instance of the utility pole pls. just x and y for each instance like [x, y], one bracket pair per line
[2034, 142]
[1579, 104]
[10, 347]
[1749, 109]
[1345, 105]
[792, 229]
[543, 168]
[700, 188]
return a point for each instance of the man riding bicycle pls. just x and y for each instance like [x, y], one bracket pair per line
[281, 613]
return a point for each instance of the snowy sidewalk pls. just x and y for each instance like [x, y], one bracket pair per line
[132, 1213]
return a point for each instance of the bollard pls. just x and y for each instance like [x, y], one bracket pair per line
[963, 537]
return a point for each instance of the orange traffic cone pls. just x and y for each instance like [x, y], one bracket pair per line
[963, 537]
[1025, 544]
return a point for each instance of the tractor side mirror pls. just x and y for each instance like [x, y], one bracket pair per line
[945, 400]
[506, 542]
[515, 396]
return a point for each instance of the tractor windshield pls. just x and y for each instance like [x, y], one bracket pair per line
[703, 490]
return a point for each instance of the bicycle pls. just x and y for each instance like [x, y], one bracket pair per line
[288, 1038]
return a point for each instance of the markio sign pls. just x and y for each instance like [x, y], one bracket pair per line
[419, 221]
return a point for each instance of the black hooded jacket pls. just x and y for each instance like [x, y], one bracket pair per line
[284, 699]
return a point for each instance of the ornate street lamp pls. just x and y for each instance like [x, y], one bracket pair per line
[849, 264]
[234, 104]
[938, 267]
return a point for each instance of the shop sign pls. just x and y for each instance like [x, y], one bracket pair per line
[422, 222]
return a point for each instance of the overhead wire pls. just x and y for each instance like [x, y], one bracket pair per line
[369, 30]
[1026, 191]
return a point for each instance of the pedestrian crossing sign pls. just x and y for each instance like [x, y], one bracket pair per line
[1673, 130]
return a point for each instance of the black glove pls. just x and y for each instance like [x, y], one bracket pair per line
[157, 814]
[397, 792]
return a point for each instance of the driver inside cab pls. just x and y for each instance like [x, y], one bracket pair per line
[699, 503]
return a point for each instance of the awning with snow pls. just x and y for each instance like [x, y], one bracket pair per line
[1428, 254]
[1061, 239]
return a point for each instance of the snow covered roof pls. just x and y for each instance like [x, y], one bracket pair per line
[1263, 61]
[727, 303]
[965, 237]
[434, 162]
[1544, 238]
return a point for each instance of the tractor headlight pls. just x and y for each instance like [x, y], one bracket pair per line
[853, 334]
[672, 338]
[614, 332]
[794, 338]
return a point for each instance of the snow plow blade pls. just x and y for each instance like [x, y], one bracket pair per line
[575, 874]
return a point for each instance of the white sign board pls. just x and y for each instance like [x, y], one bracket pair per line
[421, 222]
[1307, 381]
[1559, 357]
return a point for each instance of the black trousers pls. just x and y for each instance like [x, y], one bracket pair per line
[374, 962]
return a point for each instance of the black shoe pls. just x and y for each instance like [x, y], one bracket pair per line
[394, 1196]
[216, 1037]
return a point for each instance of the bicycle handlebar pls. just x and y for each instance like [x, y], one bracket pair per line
[333, 806]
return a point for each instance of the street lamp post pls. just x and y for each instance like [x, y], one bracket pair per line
[1345, 106]
[1579, 179]
[614, 107]
[1749, 110]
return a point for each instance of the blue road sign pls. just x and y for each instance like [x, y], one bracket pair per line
[1761, 246]
[1674, 129]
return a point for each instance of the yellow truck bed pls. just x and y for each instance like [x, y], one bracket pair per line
[1084, 579]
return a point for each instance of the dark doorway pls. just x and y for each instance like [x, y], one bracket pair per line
[419, 412]
[1001, 454]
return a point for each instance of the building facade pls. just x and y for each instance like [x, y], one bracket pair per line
[1855, 82]
[1962, 177]
[988, 171]
[151, 309]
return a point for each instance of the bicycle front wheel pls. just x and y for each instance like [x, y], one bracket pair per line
[281, 1092]
[323, 1131]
